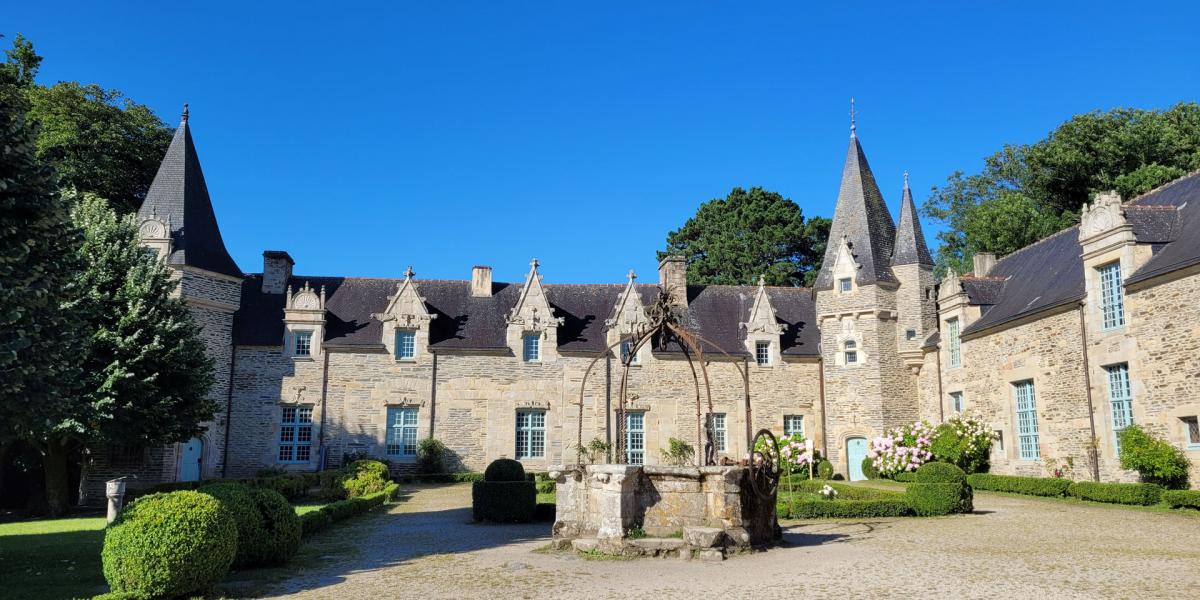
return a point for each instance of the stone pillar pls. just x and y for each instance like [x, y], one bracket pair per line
[114, 490]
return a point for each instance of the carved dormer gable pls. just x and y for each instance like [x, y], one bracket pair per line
[628, 313]
[304, 317]
[950, 286]
[406, 313]
[155, 233]
[1104, 214]
[845, 264]
[762, 314]
[532, 311]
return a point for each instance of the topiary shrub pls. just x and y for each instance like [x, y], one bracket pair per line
[430, 454]
[844, 509]
[1143, 494]
[933, 499]
[504, 469]
[1182, 498]
[168, 545]
[281, 528]
[1155, 459]
[904, 476]
[545, 512]
[1033, 486]
[868, 468]
[312, 522]
[825, 469]
[940, 472]
[237, 500]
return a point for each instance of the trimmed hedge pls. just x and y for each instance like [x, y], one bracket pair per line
[1181, 498]
[845, 491]
[505, 469]
[291, 485]
[329, 514]
[237, 501]
[314, 521]
[280, 526]
[504, 501]
[545, 512]
[1143, 494]
[868, 468]
[825, 470]
[934, 499]
[546, 486]
[940, 472]
[845, 509]
[905, 477]
[168, 545]
[1033, 486]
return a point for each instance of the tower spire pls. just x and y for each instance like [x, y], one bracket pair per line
[853, 126]
[909, 247]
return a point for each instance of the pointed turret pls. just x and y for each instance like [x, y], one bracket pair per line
[862, 219]
[910, 248]
[179, 195]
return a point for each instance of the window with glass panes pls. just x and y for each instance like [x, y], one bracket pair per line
[406, 344]
[762, 353]
[635, 438]
[401, 431]
[532, 347]
[955, 343]
[531, 434]
[626, 349]
[851, 352]
[303, 345]
[295, 434]
[1112, 300]
[1120, 398]
[718, 425]
[956, 401]
[1027, 427]
[844, 284]
[1191, 431]
[793, 425]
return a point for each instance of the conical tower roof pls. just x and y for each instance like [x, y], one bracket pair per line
[179, 194]
[862, 218]
[910, 248]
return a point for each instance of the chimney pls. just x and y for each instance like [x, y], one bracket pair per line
[984, 261]
[277, 270]
[672, 277]
[481, 281]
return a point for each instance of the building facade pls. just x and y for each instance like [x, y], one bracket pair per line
[1057, 346]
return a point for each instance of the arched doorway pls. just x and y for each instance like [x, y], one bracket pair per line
[856, 451]
[191, 460]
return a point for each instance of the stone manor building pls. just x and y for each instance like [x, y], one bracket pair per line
[1057, 346]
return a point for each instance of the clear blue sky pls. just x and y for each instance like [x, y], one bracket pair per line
[444, 134]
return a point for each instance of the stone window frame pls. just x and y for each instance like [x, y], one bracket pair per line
[1026, 437]
[296, 336]
[626, 348]
[845, 285]
[788, 420]
[1111, 296]
[1190, 442]
[397, 346]
[297, 425]
[534, 357]
[530, 430]
[958, 402]
[635, 434]
[954, 342]
[397, 429]
[1120, 401]
[763, 352]
[720, 423]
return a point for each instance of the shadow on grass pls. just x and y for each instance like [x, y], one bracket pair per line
[52, 565]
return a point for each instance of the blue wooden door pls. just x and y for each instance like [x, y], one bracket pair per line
[856, 451]
[189, 464]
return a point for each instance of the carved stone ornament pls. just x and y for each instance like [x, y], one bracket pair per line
[1102, 215]
[762, 313]
[532, 311]
[628, 314]
[406, 307]
[153, 229]
[305, 299]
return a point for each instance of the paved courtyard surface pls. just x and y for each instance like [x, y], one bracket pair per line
[1010, 548]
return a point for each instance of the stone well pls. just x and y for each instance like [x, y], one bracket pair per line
[683, 510]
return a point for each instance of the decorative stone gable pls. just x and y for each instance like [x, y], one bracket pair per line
[406, 311]
[155, 233]
[304, 313]
[762, 325]
[532, 315]
[628, 320]
[1102, 215]
[845, 265]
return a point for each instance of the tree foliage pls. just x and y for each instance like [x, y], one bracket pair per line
[734, 240]
[1025, 192]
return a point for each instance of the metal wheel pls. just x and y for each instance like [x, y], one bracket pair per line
[764, 464]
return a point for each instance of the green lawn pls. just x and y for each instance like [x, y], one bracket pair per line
[60, 558]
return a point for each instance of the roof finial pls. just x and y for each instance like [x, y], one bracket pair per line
[185, 112]
[906, 179]
[533, 264]
[408, 273]
[853, 127]
[762, 280]
[631, 275]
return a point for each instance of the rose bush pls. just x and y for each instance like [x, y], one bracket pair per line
[902, 449]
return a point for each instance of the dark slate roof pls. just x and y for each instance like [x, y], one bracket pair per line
[1184, 251]
[466, 322]
[932, 341]
[1042, 275]
[861, 217]
[180, 194]
[910, 248]
[982, 290]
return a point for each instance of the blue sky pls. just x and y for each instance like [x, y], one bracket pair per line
[443, 135]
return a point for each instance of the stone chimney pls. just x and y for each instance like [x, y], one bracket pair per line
[481, 281]
[984, 261]
[277, 270]
[672, 277]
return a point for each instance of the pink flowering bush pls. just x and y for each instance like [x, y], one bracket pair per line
[794, 454]
[902, 449]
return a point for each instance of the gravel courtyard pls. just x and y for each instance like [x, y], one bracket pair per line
[1010, 548]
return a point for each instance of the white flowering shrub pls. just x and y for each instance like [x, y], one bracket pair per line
[828, 493]
[965, 442]
[902, 449]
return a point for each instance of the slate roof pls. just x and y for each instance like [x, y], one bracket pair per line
[1184, 250]
[180, 194]
[466, 322]
[862, 218]
[910, 248]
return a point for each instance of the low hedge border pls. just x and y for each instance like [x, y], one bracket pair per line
[329, 514]
[456, 477]
[845, 509]
[845, 492]
[1015, 484]
[291, 485]
[1141, 494]
[1181, 498]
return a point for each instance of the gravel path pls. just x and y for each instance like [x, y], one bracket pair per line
[1012, 547]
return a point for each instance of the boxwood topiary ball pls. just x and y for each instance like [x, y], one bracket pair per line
[167, 545]
[824, 469]
[504, 469]
[940, 472]
[236, 499]
[281, 527]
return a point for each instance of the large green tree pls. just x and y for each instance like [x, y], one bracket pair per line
[734, 240]
[1026, 192]
[96, 139]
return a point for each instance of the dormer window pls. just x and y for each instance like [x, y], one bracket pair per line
[302, 344]
[532, 347]
[1112, 300]
[845, 284]
[762, 353]
[626, 350]
[406, 344]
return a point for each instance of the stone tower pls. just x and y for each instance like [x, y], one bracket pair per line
[916, 300]
[177, 220]
[868, 294]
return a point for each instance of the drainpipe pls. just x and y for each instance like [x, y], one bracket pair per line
[433, 393]
[824, 421]
[1093, 450]
[607, 407]
[228, 411]
[321, 458]
[941, 394]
